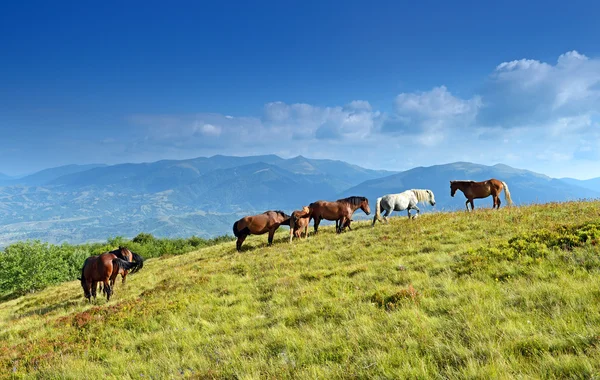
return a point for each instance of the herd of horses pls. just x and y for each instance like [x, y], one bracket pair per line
[341, 211]
[103, 269]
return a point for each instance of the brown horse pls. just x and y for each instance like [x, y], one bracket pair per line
[474, 190]
[298, 221]
[129, 256]
[268, 221]
[341, 211]
[105, 268]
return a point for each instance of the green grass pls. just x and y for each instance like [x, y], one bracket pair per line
[488, 294]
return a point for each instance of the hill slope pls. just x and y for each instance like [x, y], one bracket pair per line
[509, 293]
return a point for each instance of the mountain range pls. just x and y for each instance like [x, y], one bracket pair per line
[204, 195]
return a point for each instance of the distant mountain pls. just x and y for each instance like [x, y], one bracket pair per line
[590, 184]
[525, 186]
[173, 174]
[45, 176]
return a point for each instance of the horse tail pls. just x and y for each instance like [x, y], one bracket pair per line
[126, 265]
[244, 231]
[139, 260]
[377, 210]
[507, 194]
[82, 278]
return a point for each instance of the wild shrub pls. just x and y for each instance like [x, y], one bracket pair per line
[33, 265]
[530, 247]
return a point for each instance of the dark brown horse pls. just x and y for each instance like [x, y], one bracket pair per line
[129, 256]
[474, 190]
[105, 267]
[268, 221]
[298, 222]
[341, 211]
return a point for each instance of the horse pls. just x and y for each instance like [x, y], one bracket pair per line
[406, 200]
[298, 221]
[129, 256]
[104, 268]
[474, 190]
[268, 221]
[341, 211]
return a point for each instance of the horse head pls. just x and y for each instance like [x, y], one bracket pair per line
[364, 205]
[453, 188]
[127, 255]
[431, 197]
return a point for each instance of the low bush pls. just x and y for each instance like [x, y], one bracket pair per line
[33, 265]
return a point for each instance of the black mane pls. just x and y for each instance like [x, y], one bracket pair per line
[278, 212]
[355, 201]
[117, 252]
[282, 213]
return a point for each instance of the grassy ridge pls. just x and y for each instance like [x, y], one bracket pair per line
[490, 294]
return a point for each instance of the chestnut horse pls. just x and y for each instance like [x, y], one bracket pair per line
[341, 211]
[105, 267]
[268, 221]
[298, 221]
[474, 190]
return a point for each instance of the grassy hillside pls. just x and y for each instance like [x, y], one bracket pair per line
[488, 294]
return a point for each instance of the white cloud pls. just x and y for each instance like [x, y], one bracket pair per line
[530, 92]
[209, 129]
[527, 113]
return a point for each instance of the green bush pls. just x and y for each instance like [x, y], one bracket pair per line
[32, 265]
[531, 247]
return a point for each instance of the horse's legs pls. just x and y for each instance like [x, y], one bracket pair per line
[108, 288]
[124, 275]
[340, 227]
[499, 202]
[386, 214]
[88, 290]
[271, 234]
[316, 224]
[472, 204]
[240, 240]
[418, 211]
[94, 286]
[467, 204]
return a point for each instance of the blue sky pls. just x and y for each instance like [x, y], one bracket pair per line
[390, 85]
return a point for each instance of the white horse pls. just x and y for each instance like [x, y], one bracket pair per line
[406, 200]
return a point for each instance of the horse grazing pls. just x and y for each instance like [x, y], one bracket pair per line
[474, 190]
[298, 221]
[105, 267]
[341, 211]
[129, 256]
[268, 221]
[406, 200]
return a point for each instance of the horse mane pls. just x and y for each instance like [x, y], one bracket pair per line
[117, 252]
[279, 212]
[421, 194]
[354, 200]
[463, 181]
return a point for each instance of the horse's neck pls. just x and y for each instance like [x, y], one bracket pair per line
[354, 207]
